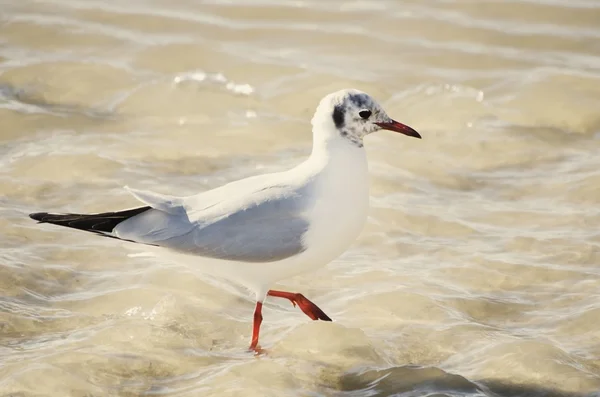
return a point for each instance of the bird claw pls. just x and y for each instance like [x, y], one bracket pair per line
[309, 308]
[257, 350]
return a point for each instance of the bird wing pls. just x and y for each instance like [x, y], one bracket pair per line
[253, 220]
[169, 204]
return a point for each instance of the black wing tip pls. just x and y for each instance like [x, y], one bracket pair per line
[103, 222]
[38, 216]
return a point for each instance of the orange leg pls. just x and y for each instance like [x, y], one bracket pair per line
[256, 327]
[309, 308]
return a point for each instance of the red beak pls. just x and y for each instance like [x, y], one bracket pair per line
[399, 127]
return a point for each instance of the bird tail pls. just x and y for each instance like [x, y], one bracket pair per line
[97, 223]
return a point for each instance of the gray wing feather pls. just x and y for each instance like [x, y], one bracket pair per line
[169, 204]
[265, 230]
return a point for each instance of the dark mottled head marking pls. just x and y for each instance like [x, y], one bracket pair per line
[360, 101]
[338, 116]
[350, 114]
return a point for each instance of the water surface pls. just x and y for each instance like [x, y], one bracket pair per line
[478, 271]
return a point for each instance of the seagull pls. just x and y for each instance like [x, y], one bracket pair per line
[265, 228]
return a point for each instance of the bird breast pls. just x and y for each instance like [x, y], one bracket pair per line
[340, 210]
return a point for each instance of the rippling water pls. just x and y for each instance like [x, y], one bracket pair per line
[478, 271]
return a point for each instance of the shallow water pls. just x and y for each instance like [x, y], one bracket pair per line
[477, 274]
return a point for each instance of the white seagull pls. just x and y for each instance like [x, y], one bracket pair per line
[265, 228]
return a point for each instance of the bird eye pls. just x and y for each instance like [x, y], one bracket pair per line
[365, 114]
